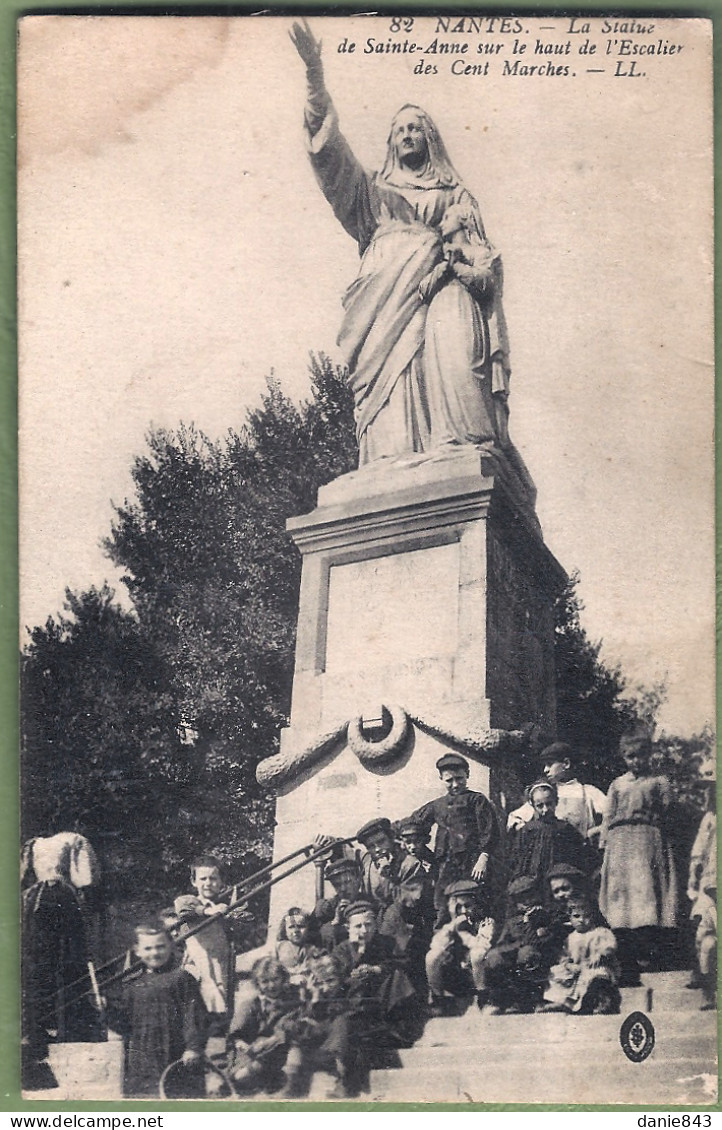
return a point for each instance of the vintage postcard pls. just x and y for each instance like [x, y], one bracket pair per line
[367, 559]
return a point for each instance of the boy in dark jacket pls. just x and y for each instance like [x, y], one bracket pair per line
[469, 834]
[513, 973]
[320, 1036]
[330, 913]
[160, 1013]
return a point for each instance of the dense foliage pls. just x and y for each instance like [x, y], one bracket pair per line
[595, 705]
[143, 728]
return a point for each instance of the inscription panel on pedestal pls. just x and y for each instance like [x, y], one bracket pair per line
[385, 611]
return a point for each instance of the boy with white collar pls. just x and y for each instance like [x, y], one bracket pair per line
[581, 805]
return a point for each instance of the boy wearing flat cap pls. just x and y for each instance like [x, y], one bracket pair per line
[468, 836]
[378, 988]
[458, 948]
[391, 878]
[344, 876]
[399, 885]
[414, 840]
[514, 971]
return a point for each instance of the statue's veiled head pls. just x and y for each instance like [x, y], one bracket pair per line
[414, 143]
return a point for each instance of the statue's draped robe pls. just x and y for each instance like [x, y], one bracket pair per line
[421, 375]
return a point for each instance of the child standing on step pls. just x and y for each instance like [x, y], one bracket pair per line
[160, 1013]
[208, 955]
[545, 840]
[638, 894]
[703, 860]
[580, 804]
[706, 945]
[469, 834]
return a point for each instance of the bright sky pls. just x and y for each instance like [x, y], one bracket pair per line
[174, 248]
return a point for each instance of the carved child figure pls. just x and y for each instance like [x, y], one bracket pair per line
[476, 261]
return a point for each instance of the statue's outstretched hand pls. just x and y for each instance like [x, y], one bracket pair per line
[305, 42]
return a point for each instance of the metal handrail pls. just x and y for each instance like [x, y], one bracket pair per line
[313, 855]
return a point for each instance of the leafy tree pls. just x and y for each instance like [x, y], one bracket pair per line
[212, 574]
[111, 697]
[595, 705]
[98, 730]
[681, 759]
[592, 711]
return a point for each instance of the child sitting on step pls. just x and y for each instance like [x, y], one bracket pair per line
[515, 970]
[458, 948]
[321, 1036]
[297, 939]
[257, 1046]
[296, 945]
[586, 978]
[344, 875]
[415, 841]
[379, 990]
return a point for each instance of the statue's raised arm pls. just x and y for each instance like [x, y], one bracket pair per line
[317, 99]
[342, 178]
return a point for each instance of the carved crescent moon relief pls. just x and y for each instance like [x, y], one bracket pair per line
[386, 749]
[379, 753]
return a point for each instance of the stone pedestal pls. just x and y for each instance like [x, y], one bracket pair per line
[426, 589]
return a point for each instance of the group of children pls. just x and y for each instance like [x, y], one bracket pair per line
[539, 915]
[306, 1008]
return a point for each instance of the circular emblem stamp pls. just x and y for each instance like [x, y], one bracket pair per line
[637, 1037]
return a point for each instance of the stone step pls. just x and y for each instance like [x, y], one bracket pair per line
[659, 996]
[639, 999]
[497, 1051]
[669, 992]
[546, 1079]
[505, 1031]
[676, 1000]
[84, 1071]
[558, 1058]
[673, 978]
[321, 1084]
